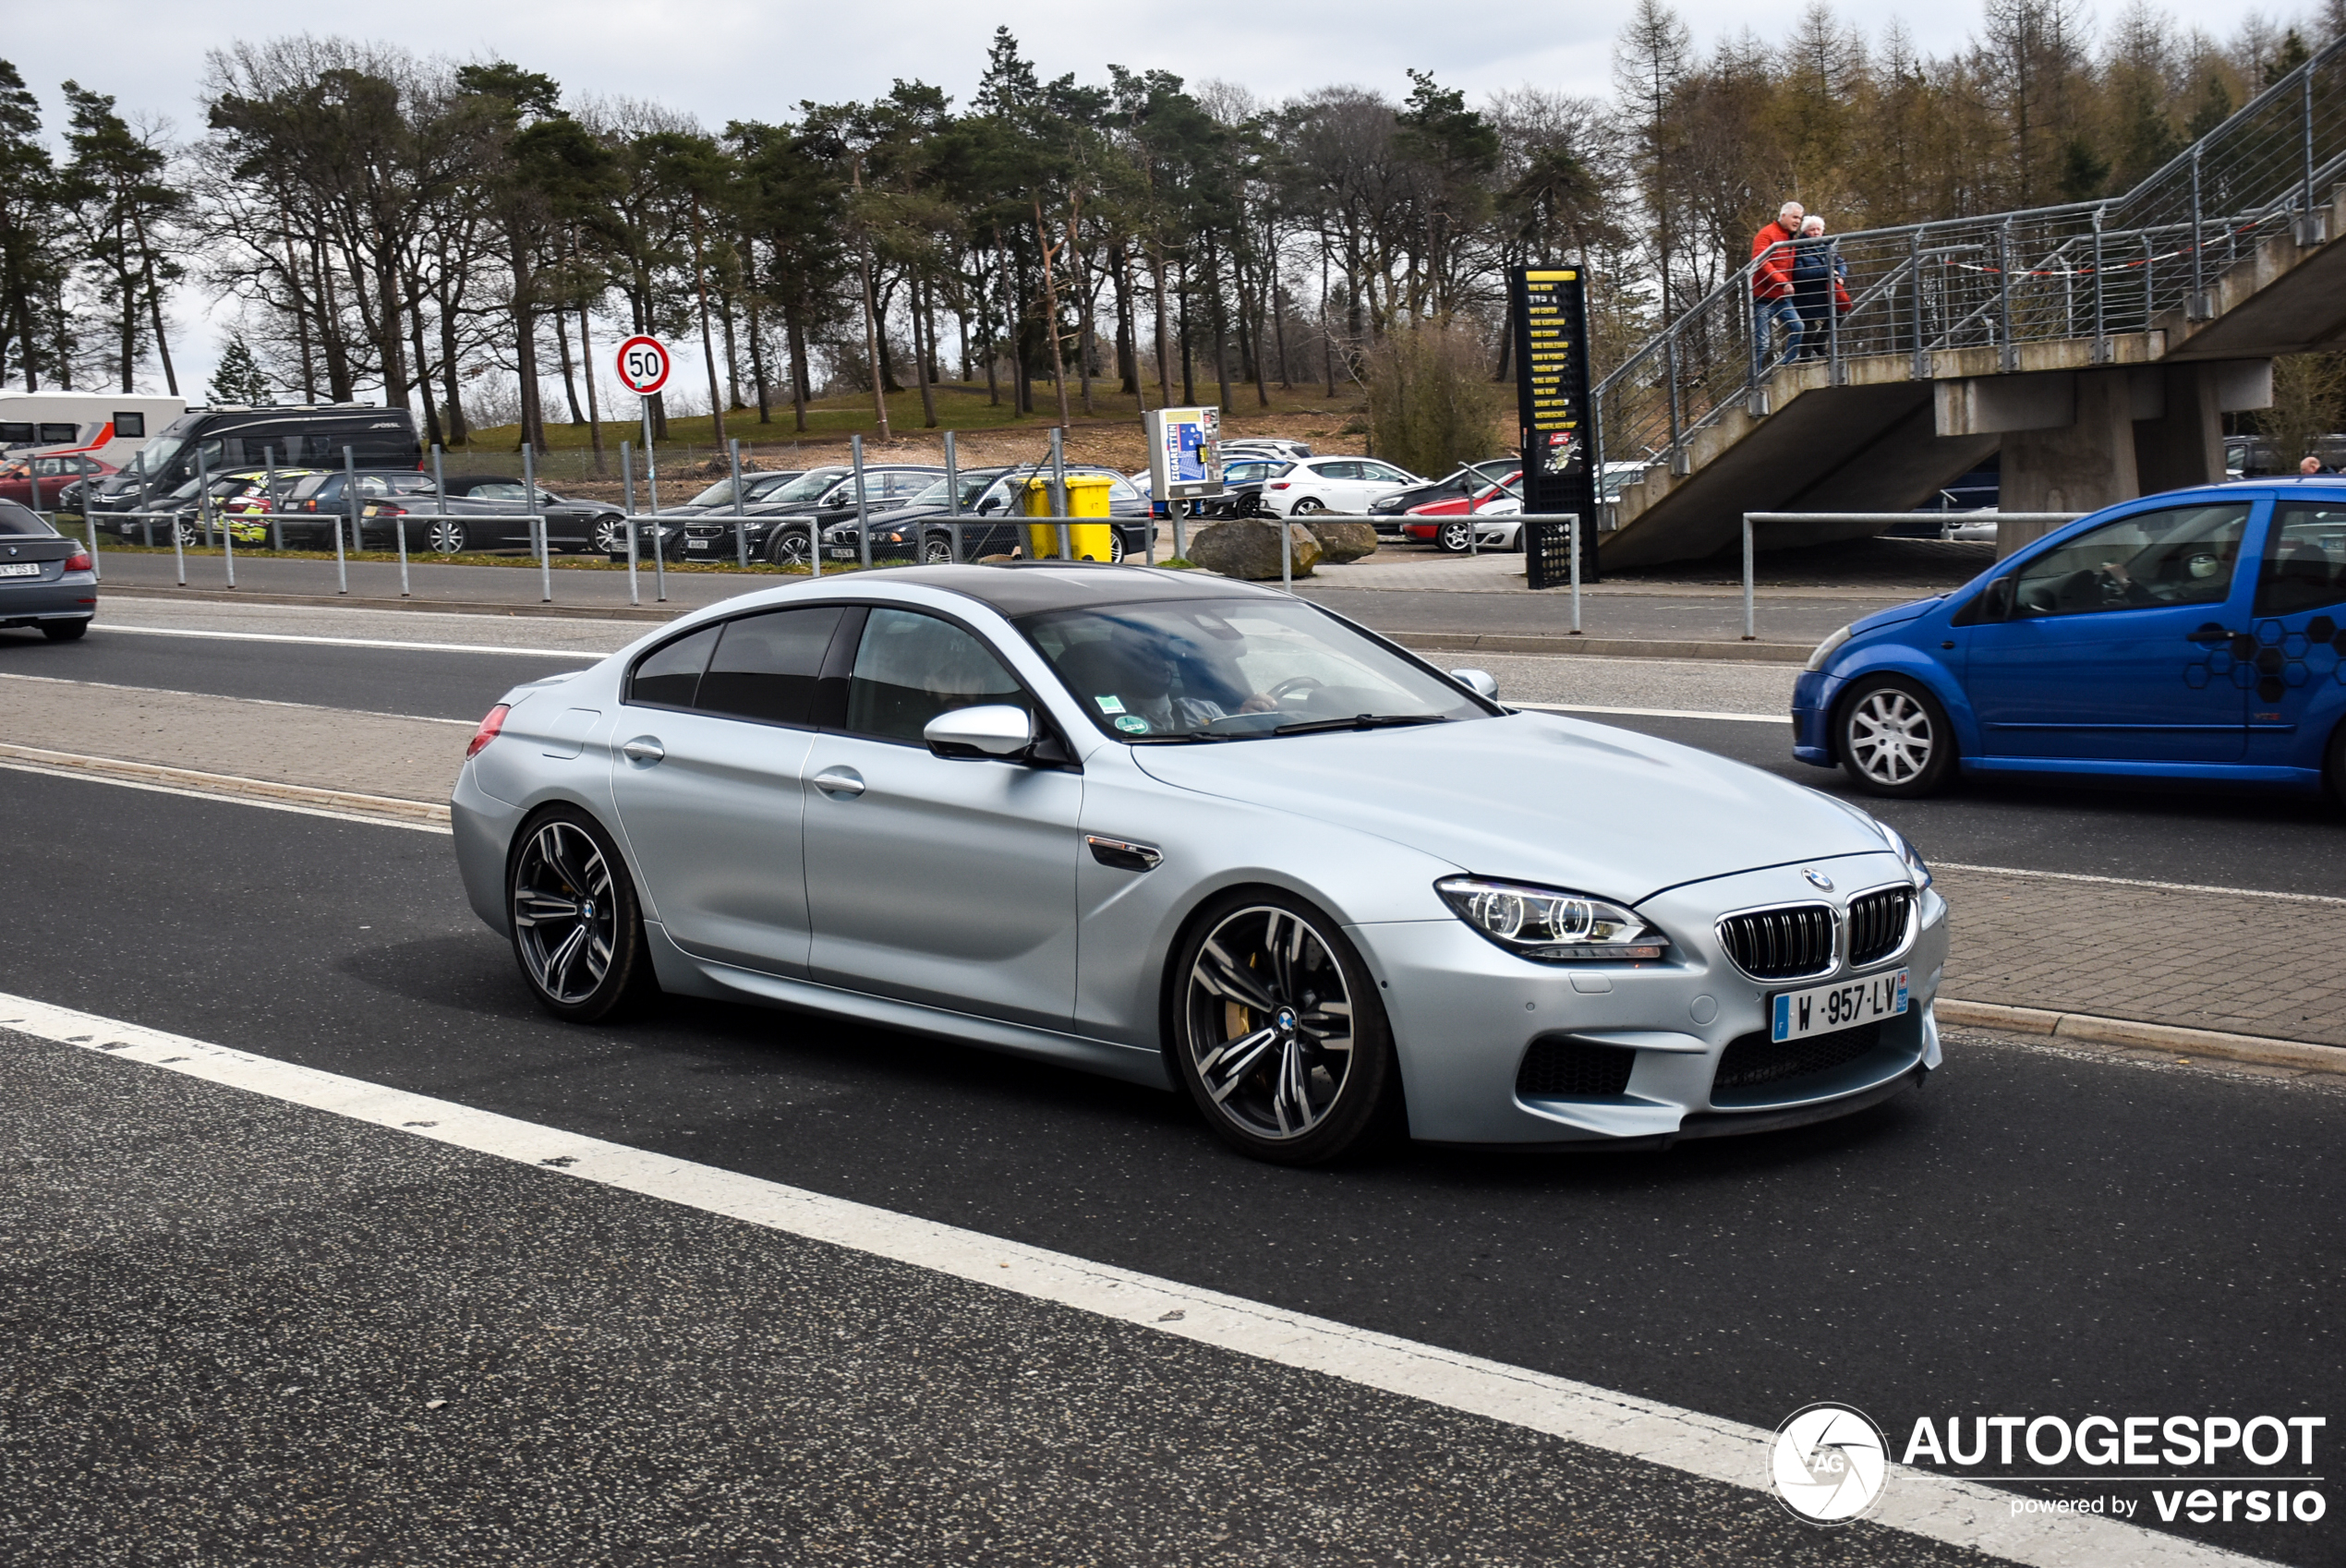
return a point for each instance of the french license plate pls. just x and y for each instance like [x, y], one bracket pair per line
[21, 569]
[696, 544]
[1823, 1009]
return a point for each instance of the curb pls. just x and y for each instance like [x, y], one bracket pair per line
[1606, 647]
[346, 801]
[433, 607]
[2207, 1042]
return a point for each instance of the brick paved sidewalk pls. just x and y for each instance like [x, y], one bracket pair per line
[2236, 963]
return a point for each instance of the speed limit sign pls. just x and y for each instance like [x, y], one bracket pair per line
[642, 365]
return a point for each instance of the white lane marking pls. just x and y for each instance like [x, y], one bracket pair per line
[264, 701]
[1959, 1513]
[1652, 712]
[344, 642]
[2134, 882]
[226, 797]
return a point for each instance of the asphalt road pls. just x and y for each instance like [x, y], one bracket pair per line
[2036, 1232]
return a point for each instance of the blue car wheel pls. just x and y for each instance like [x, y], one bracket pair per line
[1894, 739]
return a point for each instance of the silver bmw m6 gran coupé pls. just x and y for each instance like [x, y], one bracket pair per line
[1209, 837]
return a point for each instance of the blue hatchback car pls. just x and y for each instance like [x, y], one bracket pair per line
[2195, 634]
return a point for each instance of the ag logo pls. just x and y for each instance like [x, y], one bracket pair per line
[1829, 1462]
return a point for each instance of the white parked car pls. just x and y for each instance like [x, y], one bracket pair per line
[1341, 485]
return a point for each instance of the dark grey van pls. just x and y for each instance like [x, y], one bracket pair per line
[310, 436]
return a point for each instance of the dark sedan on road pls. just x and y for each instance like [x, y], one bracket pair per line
[46, 579]
[991, 522]
[2196, 635]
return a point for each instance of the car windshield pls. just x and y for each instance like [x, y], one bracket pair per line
[14, 519]
[155, 456]
[1228, 668]
[809, 486]
[972, 486]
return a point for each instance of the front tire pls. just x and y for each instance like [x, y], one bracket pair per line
[1276, 1031]
[789, 546]
[447, 536]
[577, 929]
[1451, 537]
[1893, 738]
[610, 536]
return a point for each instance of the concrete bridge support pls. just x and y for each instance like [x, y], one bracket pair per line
[2080, 441]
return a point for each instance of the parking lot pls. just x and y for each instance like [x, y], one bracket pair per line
[344, 1333]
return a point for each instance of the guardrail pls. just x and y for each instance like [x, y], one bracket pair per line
[2089, 269]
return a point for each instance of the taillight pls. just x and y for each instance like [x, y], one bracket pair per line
[78, 561]
[1280, 484]
[488, 729]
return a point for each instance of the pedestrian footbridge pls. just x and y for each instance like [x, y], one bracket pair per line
[2096, 345]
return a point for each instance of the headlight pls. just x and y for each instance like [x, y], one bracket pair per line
[1549, 925]
[1916, 867]
[1825, 649]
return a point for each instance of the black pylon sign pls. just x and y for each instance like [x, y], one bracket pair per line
[1549, 310]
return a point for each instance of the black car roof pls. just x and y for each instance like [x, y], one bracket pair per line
[1019, 588]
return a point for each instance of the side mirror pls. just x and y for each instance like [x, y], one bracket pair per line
[1480, 682]
[1995, 600]
[997, 730]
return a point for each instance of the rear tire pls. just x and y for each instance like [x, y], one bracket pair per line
[63, 630]
[577, 928]
[1274, 1027]
[1305, 507]
[447, 536]
[2334, 766]
[1894, 739]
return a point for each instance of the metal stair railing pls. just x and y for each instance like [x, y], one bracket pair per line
[2087, 269]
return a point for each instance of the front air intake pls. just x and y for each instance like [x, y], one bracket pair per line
[1560, 1067]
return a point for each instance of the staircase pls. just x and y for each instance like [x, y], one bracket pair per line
[2095, 345]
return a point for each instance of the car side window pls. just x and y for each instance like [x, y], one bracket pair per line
[912, 667]
[2305, 559]
[1338, 470]
[2182, 555]
[766, 666]
[502, 489]
[670, 676]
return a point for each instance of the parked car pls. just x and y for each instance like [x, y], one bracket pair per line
[1346, 486]
[55, 473]
[1320, 887]
[1488, 516]
[2197, 634]
[46, 579]
[1242, 481]
[229, 438]
[782, 528]
[1277, 448]
[1386, 511]
[993, 522]
[757, 488]
[479, 512]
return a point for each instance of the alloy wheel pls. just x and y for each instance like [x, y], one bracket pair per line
[1115, 545]
[189, 534]
[937, 552]
[566, 915]
[1267, 1022]
[445, 536]
[610, 536]
[1454, 537]
[1891, 737]
[1306, 505]
[791, 548]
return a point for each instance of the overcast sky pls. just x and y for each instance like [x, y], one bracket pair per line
[741, 59]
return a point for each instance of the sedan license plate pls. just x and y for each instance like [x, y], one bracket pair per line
[21, 569]
[841, 552]
[1823, 1009]
[696, 544]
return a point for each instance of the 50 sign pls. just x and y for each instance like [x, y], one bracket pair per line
[642, 365]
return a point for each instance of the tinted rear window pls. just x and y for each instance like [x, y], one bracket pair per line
[670, 676]
[14, 519]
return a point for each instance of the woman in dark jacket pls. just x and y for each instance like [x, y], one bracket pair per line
[1818, 290]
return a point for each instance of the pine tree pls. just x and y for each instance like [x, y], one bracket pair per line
[239, 379]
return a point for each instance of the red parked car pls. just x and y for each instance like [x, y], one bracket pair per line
[54, 473]
[1494, 508]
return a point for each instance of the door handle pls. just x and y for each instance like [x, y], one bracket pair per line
[2210, 633]
[643, 749]
[840, 781]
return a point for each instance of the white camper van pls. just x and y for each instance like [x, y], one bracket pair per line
[110, 427]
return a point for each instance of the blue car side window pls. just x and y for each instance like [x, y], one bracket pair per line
[2304, 561]
[2182, 555]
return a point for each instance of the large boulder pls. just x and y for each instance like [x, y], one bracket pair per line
[1340, 542]
[1248, 548]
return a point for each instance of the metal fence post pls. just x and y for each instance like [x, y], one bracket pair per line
[627, 477]
[952, 499]
[2194, 308]
[740, 531]
[2010, 351]
[1833, 312]
[1058, 490]
[863, 511]
[1922, 354]
[1750, 613]
[350, 505]
[2101, 319]
[1576, 573]
[2308, 234]
[276, 520]
[178, 545]
[90, 527]
[1286, 555]
[538, 523]
[1670, 370]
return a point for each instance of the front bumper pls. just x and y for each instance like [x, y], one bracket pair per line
[1465, 1014]
[1813, 695]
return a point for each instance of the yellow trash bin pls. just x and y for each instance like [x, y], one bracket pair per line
[1086, 498]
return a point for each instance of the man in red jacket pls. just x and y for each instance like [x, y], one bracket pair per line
[1772, 288]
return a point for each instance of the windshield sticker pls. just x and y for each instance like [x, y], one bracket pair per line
[1110, 705]
[1132, 724]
